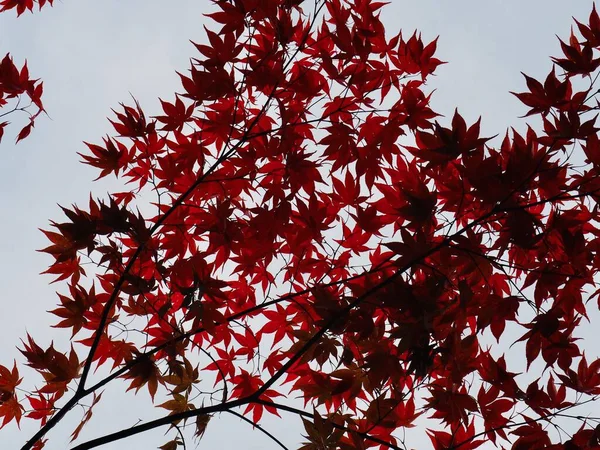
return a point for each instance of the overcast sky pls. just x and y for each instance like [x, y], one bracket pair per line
[92, 53]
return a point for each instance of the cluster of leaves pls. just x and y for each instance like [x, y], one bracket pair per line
[298, 246]
[23, 5]
[15, 86]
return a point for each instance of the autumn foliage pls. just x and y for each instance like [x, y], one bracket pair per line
[298, 222]
[16, 87]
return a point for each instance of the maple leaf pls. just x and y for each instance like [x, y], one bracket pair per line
[321, 433]
[530, 435]
[492, 410]
[110, 158]
[176, 115]
[552, 94]
[586, 379]
[43, 407]
[132, 122]
[445, 145]
[223, 49]
[392, 413]
[183, 378]
[144, 372]
[461, 437]
[247, 384]
[451, 407]
[57, 368]
[231, 16]
[579, 58]
[415, 57]
[22, 5]
[9, 379]
[10, 408]
[178, 404]
[73, 308]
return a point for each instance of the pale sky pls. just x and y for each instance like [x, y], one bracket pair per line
[92, 53]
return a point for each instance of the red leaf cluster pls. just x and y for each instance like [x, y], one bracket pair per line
[312, 231]
[14, 85]
[23, 5]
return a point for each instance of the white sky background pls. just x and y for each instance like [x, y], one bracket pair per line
[92, 53]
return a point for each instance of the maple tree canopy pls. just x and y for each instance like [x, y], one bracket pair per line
[298, 222]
